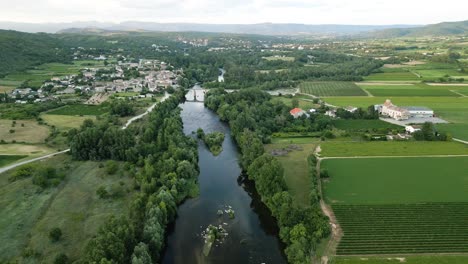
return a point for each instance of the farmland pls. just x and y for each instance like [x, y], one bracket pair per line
[391, 148]
[80, 110]
[403, 228]
[405, 259]
[410, 90]
[363, 125]
[393, 76]
[326, 89]
[380, 180]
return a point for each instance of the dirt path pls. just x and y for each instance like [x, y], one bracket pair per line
[401, 156]
[455, 92]
[336, 231]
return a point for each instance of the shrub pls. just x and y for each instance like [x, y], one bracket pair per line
[61, 259]
[55, 234]
[111, 167]
[102, 192]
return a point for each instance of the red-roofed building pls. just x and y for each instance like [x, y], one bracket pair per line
[297, 112]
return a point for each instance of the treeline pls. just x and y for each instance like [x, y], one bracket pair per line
[252, 118]
[359, 113]
[21, 51]
[165, 166]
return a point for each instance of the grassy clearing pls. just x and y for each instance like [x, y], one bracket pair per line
[303, 102]
[294, 140]
[80, 110]
[6, 89]
[391, 148]
[23, 149]
[396, 180]
[28, 214]
[406, 260]
[7, 159]
[403, 228]
[24, 131]
[65, 122]
[331, 89]
[273, 58]
[363, 125]
[296, 173]
[412, 90]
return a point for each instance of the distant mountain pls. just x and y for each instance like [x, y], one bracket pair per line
[441, 29]
[263, 29]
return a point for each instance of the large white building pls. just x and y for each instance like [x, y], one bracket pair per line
[420, 111]
[393, 111]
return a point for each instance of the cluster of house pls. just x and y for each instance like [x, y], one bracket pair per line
[154, 76]
[388, 109]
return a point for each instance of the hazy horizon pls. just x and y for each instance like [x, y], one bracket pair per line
[315, 12]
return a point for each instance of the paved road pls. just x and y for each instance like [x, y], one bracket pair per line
[12, 166]
[459, 140]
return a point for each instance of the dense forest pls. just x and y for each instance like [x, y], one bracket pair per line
[19, 51]
[164, 163]
[253, 118]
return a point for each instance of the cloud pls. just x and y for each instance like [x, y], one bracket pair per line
[236, 11]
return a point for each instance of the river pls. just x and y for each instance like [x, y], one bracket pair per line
[252, 234]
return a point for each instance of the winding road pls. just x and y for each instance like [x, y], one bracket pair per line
[130, 121]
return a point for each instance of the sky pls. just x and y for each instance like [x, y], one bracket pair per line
[354, 12]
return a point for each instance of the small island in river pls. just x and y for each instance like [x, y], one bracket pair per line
[214, 141]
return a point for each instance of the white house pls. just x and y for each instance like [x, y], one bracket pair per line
[412, 129]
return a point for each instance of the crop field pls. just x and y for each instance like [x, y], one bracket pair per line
[65, 122]
[23, 131]
[7, 159]
[296, 172]
[391, 148]
[412, 90]
[74, 207]
[363, 124]
[402, 259]
[80, 110]
[331, 89]
[392, 76]
[403, 228]
[396, 180]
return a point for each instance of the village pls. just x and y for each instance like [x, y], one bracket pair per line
[145, 78]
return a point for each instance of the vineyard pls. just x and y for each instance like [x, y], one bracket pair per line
[332, 89]
[403, 228]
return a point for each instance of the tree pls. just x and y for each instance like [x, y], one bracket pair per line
[141, 254]
[295, 103]
[61, 259]
[55, 234]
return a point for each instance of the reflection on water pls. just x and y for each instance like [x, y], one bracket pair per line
[252, 234]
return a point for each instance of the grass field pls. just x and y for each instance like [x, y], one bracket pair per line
[80, 110]
[402, 259]
[6, 89]
[29, 214]
[391, 148]
[296, 171]
[392, 76]
[7, 159]
[24, 149]
[326, 89]
[303, 102]
[363, 125]
[24, 131]
[65, 122]
[396, 180]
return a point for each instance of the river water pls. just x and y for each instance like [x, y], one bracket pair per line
[252, 234]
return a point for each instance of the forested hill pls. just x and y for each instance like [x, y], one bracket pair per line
[441, 29]
[19, 51]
